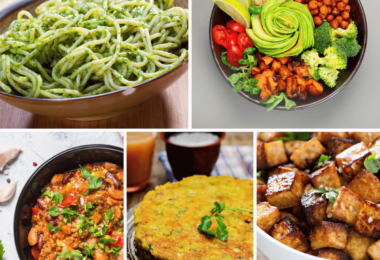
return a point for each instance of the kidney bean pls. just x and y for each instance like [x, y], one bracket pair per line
[41, 204]
[40, 243]
[116, 182]
[55, 223]
[67, 177]
[49, 218]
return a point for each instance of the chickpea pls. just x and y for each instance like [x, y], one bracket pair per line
[345, 15]
[341, 6]
[339, 18]
[348, 8]
[335, 12]
[323, 16]
[327, 2]
[314, 12]
[345, 1]
[313, 4]
[334, 24]
[323, 10]
[350, 20]
[344, 24]
[319, 4]
[307, 6]
[329, 9]
[329, 18]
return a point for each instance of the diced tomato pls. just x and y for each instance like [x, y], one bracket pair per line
[35, 252]
[119, 241]
[232, 37]
[70, 200]
[234, 54]
[220, 35]
[244, 41]
[35, 211]
[236, 27]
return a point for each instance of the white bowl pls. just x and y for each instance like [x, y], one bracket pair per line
[274, 250]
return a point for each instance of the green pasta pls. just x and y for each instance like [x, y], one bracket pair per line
[78, 48]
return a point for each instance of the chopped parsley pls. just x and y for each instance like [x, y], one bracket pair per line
[53, 229]
[371, 163]
[68, 214]
[85, 172]
[2, 251]
[94, 182]
[322, 160]
[292, 136]
[53, 211]
[329, 194]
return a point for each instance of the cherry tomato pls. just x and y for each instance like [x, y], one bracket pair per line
[234, 54]
[236, 27]
[220, 35]
[232, 38]
[230, 22]
[35, 211]
[244, 41]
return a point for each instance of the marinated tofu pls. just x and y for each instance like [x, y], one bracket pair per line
[358, 245]
[292, 146]
[326, 176]
[270, 136]
[308, 154]
[267, 216]
[365, 137]
[333, 254]
[329, 234]
[337, 145]
[271, 155]
[325, 137]
[366, 185]
[261, 190]
[374, 250]
[314, 206]
[368, 220]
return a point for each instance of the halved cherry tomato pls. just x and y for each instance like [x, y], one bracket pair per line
[236, 27]
[234, 54]
[244, 41]
[230, 22]
[119, 241]
[35, 211]
[70, 200]
[220, 35]
[232, 37]
[35, 252]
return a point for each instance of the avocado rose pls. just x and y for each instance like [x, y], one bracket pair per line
[283, 28]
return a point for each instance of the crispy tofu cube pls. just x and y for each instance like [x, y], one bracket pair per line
[314, 206]
[271, 155]
[304, 227]
[270, 136]
[337, 145]
[365, 137]
[292, 146]
[346, 206]
[284, 189]
[368, 220]
[289, 233]
[325, 137]
[329, 234]
[284, 168]
[357, 245]
[267, 216]
[374, 251]
[298, 211]
[308, 153]
[326, 177]
[375, 148]
[351, 160]
[333, 254]
[261, 190]
[366, 185]
[308, 188]
[275, 170]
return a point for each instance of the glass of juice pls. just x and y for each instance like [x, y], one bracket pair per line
[140, 150]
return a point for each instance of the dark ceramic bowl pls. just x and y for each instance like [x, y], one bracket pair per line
[94, 107]
[218, 17]
[60, 163]
[188, 161]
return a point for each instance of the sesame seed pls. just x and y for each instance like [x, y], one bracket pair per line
[326, 188]
[351, 209]
[340, 170]
[307, 171]
[329, 215]
[321, 186]
[369, 220]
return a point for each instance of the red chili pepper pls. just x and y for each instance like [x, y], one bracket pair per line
[119, 241]
[70, 200]
[35, 211]
[35, 252]
[35, 164]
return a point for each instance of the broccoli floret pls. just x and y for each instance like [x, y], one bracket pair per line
[350, 46]
[314, 73]
[335, 57]
[350, 32]
[328, 75]
[324, 37]
[312, 60]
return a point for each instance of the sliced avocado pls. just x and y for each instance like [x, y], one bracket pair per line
[259, 31]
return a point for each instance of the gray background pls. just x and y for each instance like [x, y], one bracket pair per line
[215, 105]
[36, 147]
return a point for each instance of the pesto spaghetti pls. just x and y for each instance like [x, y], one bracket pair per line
[78, 48]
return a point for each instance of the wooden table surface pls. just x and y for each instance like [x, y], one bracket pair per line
[159, 176]
[167, 110]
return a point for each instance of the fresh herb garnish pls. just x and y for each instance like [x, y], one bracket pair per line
[274, 100]
[85, 172]
[2, 251]
[371, 163]
[57, 197]
[114, 250]
[94, 182]
[53, 211]
[322, 160]
[206, 221]
[292, 136]
[53, 229]
[329, 194]
[47, 192]
[75, 255]
[258, 174]
[68, 214]
[105, 241]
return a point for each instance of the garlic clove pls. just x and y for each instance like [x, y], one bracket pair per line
[7, 193]
[8, 155]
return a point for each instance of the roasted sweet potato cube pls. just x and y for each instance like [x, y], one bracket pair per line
[268, 73]
[291, 87]
[284, 60]
[285, 73]
[326, 176]
[308, 153]
[346, 206]
[366, 185]
[268, 60]
[325, 137]
[289, 233]
[314, 87]
[301, 84]
[281, 83]
[273, 85]
[329, 234]
[284, 189]
[261, 190]
[333, 254]
[265, 93]
[263, 81]
[267, 216]
[263, 66]
[270, 136]
[374, 250]
[351, 160]
[261, 157]
[255, 71]
[259, 56]
[358, 244]
[337, 145]
[292, 146]
[314, 206]
[302, 71]
[365, 137]
[368, 220]
[276, 65]
[275, 153]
